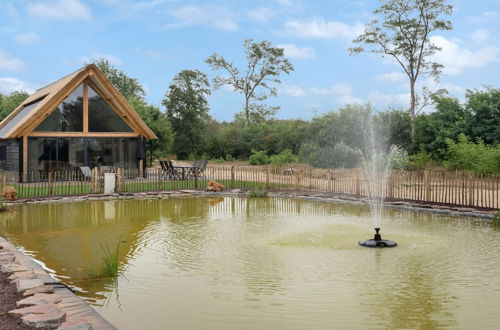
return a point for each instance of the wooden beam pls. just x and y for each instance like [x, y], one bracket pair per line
[84, 134]
[85, 107]
[25, 158]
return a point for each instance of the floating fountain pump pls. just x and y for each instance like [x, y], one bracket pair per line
[377, 241]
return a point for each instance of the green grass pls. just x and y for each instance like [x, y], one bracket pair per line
[258, 193]
[67, 189]
[109, 265]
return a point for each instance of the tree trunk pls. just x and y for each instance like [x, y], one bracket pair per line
[413, 105]
[247, 114]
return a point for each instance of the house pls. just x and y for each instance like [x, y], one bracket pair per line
[79, 120]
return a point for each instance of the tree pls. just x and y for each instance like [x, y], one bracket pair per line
[11, 101]
[127, 86]
[158, 122]
[187, 110]
[403, 34]
[265, 64]
[484, 109]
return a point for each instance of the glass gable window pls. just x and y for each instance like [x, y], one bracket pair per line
[102, 118]
[67, 117]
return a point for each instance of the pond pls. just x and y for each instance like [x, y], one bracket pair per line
[238, 263]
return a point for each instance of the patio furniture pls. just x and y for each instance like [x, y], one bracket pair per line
[86, 172]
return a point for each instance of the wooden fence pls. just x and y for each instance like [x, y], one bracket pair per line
[447, 187]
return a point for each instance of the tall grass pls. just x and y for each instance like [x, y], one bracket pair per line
[261, 193]
[109, 265]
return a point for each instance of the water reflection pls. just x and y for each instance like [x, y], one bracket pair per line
[267, 263]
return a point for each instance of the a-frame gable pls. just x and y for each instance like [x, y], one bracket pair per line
[58, 91]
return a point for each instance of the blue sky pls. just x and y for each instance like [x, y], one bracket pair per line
[152, 40]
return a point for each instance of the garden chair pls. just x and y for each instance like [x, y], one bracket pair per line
[86, 172]
[165, 168]
[172, 172]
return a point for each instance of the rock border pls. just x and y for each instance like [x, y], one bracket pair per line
[325, 197]
[47, 302]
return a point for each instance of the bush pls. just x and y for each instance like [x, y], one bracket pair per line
[229, 158]
[421, 160]
[496, 218]
[284, 157]
[258, 158]
[476, 157]
[219, 160]
[257, 194]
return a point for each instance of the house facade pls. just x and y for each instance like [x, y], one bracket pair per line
[79, 120]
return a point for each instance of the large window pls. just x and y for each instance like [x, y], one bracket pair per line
[62, 154]
[102, 118]
[67, 117]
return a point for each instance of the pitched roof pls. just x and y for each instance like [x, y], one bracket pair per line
[21, 121]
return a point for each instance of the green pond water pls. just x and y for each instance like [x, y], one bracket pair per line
[237, 263]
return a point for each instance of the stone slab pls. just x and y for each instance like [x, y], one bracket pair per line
[26, 284]
[12, 267]
[53, 320]
[36, 309]
[39, 289]
[6, 259]
[22, 275]
[39, 299]
[75, 324]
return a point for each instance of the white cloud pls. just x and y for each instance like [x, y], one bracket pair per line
[60, 10]
[10, 63]
[321, 29]
[207, 15]
[456, 58]
[480, 35]
[8, 85]
[89, 59]
[342, 93]
[27, 38]
[393, 77]
[385, 101]
[291, 90]
[261, 14]
[294, 51]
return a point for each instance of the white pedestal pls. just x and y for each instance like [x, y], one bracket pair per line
[109, 183]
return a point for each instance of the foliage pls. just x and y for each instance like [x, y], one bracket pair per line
[158, 122]
[8, 102]
[129, 87]
[2, 205]
[483, 106]
[402, 33]
[265, 63]
[261, 193]
[496, 218]
[187, 110]
[421, 160]
[476, 157]
[258, 158]
[109, 265]
[284, 157]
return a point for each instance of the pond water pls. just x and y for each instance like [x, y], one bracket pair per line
[237, 263]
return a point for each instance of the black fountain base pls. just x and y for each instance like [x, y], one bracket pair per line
[378, 242]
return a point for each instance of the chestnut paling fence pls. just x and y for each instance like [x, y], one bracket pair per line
[449, 187]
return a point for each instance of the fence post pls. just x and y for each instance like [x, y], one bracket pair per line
[267, 176]
[427, 186]
[232, 177]
[50, 184]
[471, 189]
[358, 184]
[4, 180]
[93, 179]
[196, 183]
[297, 179]
[118, 183]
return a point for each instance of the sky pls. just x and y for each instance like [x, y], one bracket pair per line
[152, 40]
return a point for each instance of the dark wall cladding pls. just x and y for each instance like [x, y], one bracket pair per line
[10, 154]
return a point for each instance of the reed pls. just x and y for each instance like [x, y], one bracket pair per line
[109, 265]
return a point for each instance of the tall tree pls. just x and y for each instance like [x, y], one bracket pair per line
[126, 85]
[402, 33]
[265, 63]
[187, 110]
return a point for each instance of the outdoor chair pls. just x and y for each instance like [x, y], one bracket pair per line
[86, 172]
[172, 172]
[165, 168]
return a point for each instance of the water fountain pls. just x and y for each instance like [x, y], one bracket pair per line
[376, 169]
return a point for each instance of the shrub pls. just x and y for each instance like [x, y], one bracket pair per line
[258, 158]
[421, 160]
[220, 160]
[257, 194]
[284, 157]
[229, 158]
[476, 157]
[109, 265]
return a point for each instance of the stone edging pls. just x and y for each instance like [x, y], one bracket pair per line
[46, 305]
[325, 197]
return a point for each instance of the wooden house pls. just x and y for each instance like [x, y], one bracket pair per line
[79, 120]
